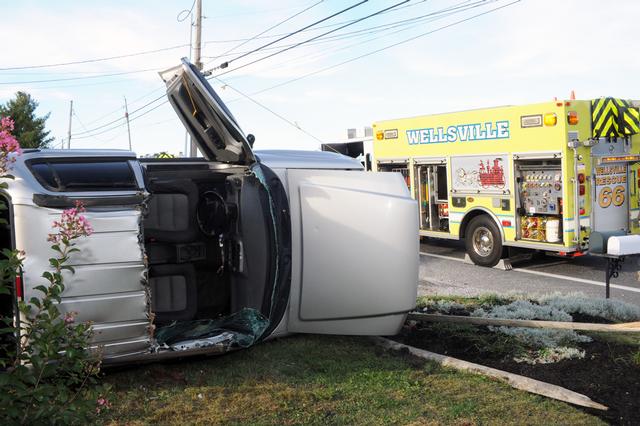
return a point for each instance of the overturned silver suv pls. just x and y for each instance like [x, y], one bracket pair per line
[193, 256]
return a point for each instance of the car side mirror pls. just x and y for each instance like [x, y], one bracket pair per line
[251, 139]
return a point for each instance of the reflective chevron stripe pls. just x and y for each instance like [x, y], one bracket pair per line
[614, 117]
[603, 116]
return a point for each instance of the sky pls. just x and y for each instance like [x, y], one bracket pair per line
[522, 52]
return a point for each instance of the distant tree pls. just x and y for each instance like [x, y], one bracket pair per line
[29, 129]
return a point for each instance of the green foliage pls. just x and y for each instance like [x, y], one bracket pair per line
[29, 129]
[50, 376]
[636, 358]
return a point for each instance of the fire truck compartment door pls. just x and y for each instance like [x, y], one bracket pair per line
[610, 201]
[355, 252]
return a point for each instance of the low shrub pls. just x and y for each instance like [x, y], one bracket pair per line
[550, 355]
[578, 303]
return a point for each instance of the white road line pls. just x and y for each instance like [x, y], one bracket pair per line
[579, 280]
[440, 256]
[546, 274]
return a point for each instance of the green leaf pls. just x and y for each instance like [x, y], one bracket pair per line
[41, 288]
[69, 268]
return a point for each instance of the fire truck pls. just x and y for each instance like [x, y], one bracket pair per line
[545, 176]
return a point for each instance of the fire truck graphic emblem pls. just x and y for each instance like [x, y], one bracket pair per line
[486, 176]
[491, 176]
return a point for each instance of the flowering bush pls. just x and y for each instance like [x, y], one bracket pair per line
[49, 374]
[71, 225]
[9, 146]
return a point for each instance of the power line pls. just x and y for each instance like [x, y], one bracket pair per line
[309, 74]
[87, 61]
[121, 118]
[310, 39]
[307, 30]
[79, 78]
[405, 25]
[253, 12]
[226, 64]
[178, 17]
[120, 125]
[269, 29]
[133, 102]
[364, 31]
[271, 111]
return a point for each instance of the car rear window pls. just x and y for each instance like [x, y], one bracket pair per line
[80, 176]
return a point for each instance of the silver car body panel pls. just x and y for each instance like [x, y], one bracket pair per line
[107, 287]
[350, 232]
[297, 159]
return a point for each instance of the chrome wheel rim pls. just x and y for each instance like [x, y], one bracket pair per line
[482, 241]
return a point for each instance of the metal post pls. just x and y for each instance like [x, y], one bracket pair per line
[126, 115]
[197, 49]
[608, 277]
[420, 197]
[429, 195]
[69, 133]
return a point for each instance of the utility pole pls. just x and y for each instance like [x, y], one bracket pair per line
[197, 50]
[126, 115]
[198, 42]
[69, 133]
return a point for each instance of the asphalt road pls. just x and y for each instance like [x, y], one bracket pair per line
[443, 271]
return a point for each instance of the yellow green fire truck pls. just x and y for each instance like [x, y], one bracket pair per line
[542, 176]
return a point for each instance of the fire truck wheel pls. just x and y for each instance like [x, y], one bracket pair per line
[483, 242]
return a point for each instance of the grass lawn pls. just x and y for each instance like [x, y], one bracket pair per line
[322, 380]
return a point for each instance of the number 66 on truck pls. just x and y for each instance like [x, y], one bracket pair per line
[543, 176]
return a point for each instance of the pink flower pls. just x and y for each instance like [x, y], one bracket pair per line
[70, 317]
[102, 403]
[71, 225]
[9, 146]
[6, 123]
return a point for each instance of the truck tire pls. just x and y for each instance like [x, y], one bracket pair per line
[483, 242]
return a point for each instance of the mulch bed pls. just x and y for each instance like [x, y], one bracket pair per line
[606, 374]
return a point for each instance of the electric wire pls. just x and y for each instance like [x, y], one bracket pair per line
[75, 114]
[269, 29]
[370, 30]
[253, 12]
[226, 64]
[133, 102]
[131, 119]
[185, 10]
[404, 24]
[273, 112]
[307, 30]
[309, 40]
[88, 61]
[121, 118]
[312, 73]
[85, 77]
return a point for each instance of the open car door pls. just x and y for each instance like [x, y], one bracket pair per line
[205, 116]
[354, 252]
